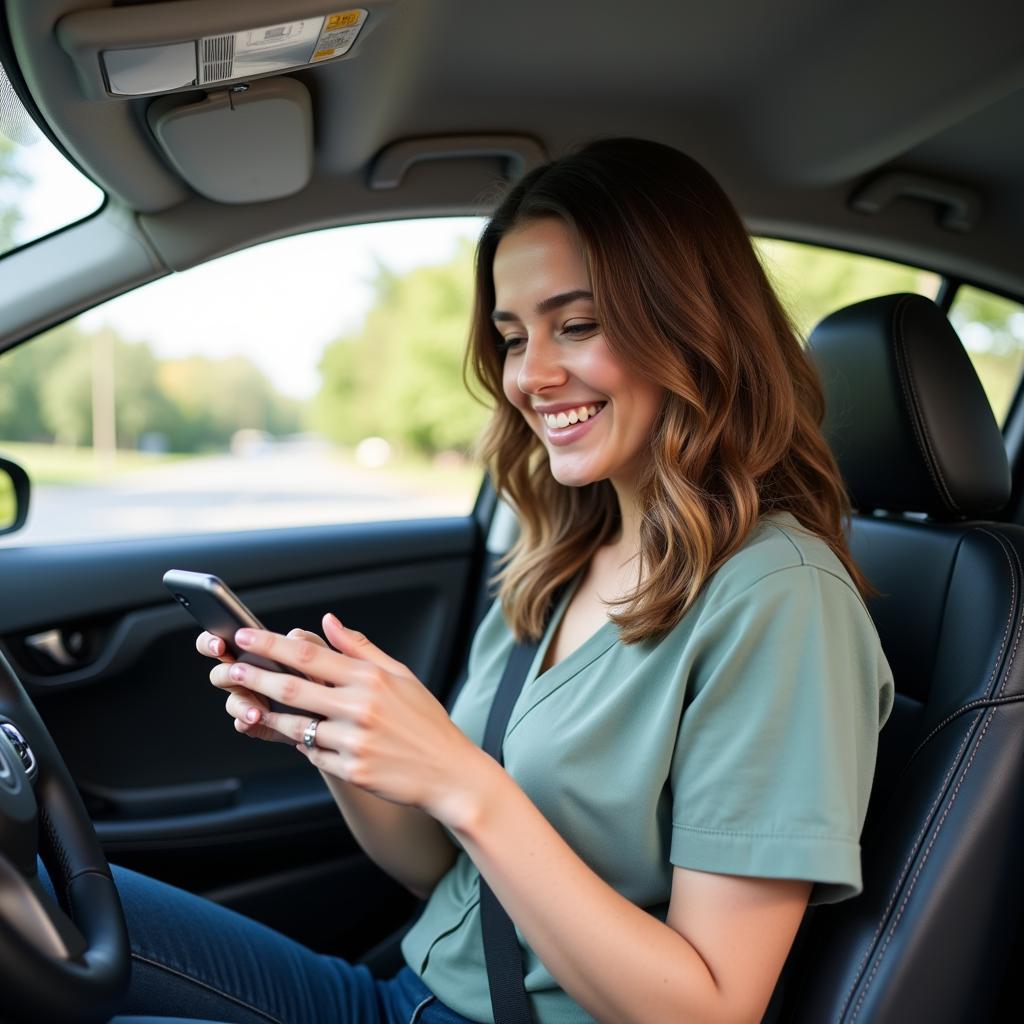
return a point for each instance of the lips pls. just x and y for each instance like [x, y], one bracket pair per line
[567, 435]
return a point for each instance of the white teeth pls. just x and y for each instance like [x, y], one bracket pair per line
[569, 416]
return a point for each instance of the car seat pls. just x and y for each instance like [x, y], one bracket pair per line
[924, 461]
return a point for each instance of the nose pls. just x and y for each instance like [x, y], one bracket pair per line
[541, 366]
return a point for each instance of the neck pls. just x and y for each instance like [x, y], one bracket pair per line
[627, 543]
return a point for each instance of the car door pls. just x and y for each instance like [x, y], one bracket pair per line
[109, 657]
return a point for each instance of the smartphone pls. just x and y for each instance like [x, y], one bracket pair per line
[220, 611]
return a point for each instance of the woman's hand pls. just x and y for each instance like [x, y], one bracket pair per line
[381, 730]
[249, 710]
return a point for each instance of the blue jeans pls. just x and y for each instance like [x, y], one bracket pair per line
[194, 958]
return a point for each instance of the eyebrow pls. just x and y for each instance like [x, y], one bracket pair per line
[547, 305]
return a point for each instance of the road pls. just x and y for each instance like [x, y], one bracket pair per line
[273, 489]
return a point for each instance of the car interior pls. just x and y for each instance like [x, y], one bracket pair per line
[888, 130]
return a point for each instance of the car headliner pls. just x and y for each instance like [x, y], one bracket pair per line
[793, 105]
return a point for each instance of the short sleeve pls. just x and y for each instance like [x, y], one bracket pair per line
[787, 690]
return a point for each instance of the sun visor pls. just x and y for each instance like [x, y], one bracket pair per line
[244, 144]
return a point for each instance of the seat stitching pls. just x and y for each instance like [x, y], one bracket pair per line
[416, 1010]
[971, 705]
[945, 782]
[1020, 572]
[920, 867]
[203, 984]
[980, 701]
[917, 420]
[902, 876]
[1007, 550]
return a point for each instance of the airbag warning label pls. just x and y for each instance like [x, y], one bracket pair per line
[338, 34]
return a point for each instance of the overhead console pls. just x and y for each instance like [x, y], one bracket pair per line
[243, 130]
[148, 49]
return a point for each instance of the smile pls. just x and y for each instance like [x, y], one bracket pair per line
[569, 416]
[566, 427]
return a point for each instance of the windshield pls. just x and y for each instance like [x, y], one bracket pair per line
[40, 191]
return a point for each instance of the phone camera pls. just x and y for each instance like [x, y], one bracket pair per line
[183, 599]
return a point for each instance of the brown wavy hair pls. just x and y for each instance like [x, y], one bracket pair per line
[684, 301]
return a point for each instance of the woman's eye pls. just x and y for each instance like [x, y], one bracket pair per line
[579, 328]
[509, 343]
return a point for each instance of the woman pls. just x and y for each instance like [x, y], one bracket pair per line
[689, 761]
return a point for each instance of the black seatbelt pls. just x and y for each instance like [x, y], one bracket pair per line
[502, 951]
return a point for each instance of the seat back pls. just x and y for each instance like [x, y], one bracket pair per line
[923, 458]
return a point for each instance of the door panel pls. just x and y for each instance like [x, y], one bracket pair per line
[173, 789]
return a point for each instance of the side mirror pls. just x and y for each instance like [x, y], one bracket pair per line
[14, 491]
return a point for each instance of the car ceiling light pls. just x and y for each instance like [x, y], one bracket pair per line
[148, 49]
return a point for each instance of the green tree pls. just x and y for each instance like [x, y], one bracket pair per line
[22, 371]
[213, 398]
[400, 375]
[140, 405]
[813, 282]
[12, 180]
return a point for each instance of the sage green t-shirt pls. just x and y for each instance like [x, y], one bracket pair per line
[742, 742]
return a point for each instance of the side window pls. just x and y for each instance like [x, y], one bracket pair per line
[813, 281]
[992, 330]
[310, 380]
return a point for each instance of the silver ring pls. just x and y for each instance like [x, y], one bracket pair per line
[309, 736]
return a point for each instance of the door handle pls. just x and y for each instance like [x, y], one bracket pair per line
[63, 648]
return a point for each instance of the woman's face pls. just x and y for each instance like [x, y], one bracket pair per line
[592, 413]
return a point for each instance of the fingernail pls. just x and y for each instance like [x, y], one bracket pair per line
[215, 645]
[237, 671]
[244, 637]
[252, 715]
[334, 618]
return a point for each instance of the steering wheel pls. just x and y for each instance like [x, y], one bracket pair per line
[67, 962]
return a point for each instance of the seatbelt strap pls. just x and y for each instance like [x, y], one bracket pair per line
[502, 952]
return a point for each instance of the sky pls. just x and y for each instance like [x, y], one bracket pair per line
[278, 303]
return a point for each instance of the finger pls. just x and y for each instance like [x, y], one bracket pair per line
[329, 761]
[294, 727]
[219, 675]
[307, 658]
[305, 634]
[261, 732]
[357, 645]
[244, 706]
[295, 691]
[314, 638]
[211, 646]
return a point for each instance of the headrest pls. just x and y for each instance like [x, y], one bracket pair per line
[906, 415]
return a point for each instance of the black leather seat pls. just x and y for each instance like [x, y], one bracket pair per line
[929, 938]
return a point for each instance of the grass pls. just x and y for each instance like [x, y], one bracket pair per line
[56, 464]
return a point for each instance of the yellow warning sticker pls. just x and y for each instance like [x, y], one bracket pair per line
[346, 20]
[338, 34]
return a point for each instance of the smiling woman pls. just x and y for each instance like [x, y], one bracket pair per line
[566, 369]
[688, 761]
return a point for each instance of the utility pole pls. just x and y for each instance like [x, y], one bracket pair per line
[104, 417]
